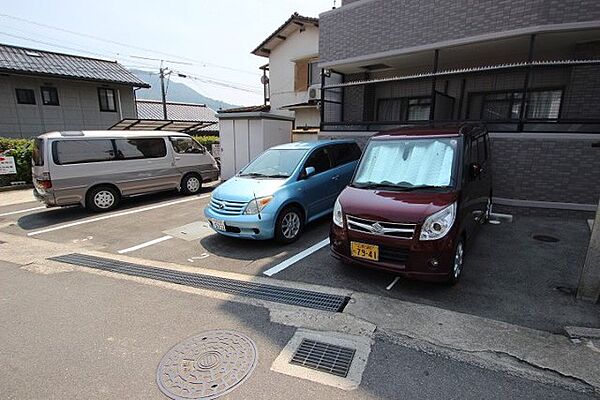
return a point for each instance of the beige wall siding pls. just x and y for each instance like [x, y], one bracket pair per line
[78, 106]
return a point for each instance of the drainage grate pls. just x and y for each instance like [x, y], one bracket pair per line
[324, 357]
[296, 297]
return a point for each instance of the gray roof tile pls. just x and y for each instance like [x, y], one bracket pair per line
[22, 60]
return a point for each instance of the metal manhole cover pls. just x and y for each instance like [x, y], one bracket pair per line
[206, 366]
[546, 238]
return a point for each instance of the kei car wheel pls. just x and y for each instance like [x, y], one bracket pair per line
[191, 184]
[102, 198]
[289, 225]
[457, 262]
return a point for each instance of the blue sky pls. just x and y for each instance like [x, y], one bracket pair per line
[216, 37]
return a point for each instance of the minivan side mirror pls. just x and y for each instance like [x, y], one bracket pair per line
[474, 169]
[308, 171]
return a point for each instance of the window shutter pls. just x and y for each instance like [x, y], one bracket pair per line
[301, 76]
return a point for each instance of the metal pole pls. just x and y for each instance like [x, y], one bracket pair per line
[436, 56]
[322, 102]
[589, 280]
[526, 83]
[163, 92]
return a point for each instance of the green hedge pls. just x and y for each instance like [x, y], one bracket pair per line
[207, 141]
[20, 149]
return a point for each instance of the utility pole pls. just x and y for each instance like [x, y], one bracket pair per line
[163, 72]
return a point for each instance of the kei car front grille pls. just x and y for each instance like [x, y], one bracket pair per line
[393, 254]
[227, 207]
[394, 229]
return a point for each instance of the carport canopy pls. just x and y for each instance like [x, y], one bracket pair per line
[190, 127]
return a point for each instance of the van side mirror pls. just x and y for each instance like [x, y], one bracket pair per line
[308, 171]
[474, 170]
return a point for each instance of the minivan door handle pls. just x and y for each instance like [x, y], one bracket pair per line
[335, 178]
[178, 158]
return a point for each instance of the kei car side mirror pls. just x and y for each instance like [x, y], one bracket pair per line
[308, 171]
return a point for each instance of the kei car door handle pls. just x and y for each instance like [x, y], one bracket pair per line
[178, 158]
[335, 178]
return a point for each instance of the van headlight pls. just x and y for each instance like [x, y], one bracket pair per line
[438, 225]
[256, 205]
[338, 217]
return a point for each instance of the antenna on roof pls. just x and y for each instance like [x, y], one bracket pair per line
[333, 8]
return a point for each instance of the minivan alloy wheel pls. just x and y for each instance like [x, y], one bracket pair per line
[458, 260]
[193, 184]
[290, 225]
[104, 199]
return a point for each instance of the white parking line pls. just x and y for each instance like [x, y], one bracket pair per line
[391, 285]
[292, 260]
[118, 214]
[145, 244]
[21, 211]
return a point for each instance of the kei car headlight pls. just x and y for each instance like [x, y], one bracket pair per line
[256, 205]
[338, 217]
[438, 225]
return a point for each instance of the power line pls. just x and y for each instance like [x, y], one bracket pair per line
[205, 79]
[203, 63]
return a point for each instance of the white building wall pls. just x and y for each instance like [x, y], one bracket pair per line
[78, 107]
[297, 46]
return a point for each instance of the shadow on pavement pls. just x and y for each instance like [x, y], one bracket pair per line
[248, 250]
[60, 215]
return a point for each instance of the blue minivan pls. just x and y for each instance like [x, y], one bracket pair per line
[284, 188]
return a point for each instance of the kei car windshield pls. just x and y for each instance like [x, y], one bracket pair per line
[406, 164]
[274, 163]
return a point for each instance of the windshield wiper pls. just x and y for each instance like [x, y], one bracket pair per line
[390, 185]
[277, 176]
[254, 175]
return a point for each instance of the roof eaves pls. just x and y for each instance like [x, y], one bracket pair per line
[139, 84]
[296, 19]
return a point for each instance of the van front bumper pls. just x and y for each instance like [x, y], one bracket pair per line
[408, 258]
[243, 226]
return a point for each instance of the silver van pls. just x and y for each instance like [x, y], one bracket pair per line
[98, 168]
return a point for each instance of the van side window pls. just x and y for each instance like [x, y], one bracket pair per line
[186, 145]
[344, 153]
[319, 159]
[131, 149]
[82, 151]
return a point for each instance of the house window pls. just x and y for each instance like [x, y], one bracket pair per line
[25, 96]
[49, 96]
[540, 104]
[404, 109]
[107, 99]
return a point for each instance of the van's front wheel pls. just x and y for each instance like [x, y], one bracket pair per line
[102, 198]
[191, 184]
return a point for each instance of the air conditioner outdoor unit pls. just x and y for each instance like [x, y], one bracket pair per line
[314, 92]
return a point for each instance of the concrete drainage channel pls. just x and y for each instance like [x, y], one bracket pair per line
[295, 297]
[214, 363]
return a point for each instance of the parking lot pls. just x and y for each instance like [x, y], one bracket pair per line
[509, 276]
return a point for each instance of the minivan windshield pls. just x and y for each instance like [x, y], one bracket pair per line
[407, 164]
[274, 163]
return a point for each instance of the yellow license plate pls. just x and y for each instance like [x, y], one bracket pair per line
[366, 251]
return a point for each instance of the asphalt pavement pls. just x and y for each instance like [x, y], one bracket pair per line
[73, 334]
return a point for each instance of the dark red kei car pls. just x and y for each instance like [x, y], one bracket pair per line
[416, 198]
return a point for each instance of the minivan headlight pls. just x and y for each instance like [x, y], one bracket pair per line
[438, 225]
[338, 218]
[256, 205]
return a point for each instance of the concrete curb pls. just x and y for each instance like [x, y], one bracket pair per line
[15, 187]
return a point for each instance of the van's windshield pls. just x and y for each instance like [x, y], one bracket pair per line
[274, 163]
[408, 164]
